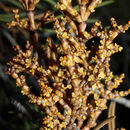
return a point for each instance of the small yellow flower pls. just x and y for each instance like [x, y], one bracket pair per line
[68, 112]
[69, 86]
[101, 75]
[73, 94]
[91, 77]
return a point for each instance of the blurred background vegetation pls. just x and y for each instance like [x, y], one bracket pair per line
[15, 111]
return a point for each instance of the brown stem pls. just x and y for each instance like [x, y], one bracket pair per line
[91, 8]
[39, 16]
[80, 123]
[85, 13]
[106, 121]
[111, 112]
[30, 15]
[73, 118]
[90, 122]
[66, 107]
[34, 34]
[88, 126]
[82, 25]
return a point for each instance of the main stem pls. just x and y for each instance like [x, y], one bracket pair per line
[33, 34]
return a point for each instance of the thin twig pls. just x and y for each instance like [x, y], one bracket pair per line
[106, 121]
[111, 112]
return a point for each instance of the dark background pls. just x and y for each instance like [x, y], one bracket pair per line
[15, 111]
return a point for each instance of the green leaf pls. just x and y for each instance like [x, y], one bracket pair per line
[105, 3]
[76, 7]
[6, 17]
[91, 61]
[11, 112]
[9, 17]
[5, 20]
[39, 6]
[49, 31]
[92, 20]
[15, 3]
[27, 125]
[107, 27]
[52, 2]
[115, 76]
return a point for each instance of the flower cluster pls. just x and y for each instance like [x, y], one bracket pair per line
[17, 22]
[75, 81]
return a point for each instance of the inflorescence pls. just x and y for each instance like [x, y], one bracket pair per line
[75, 82]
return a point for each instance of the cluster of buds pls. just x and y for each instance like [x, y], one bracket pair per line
[29, 23]
[17, 22]
[75, 81]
